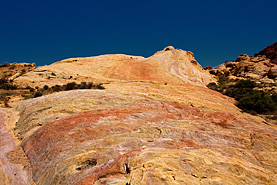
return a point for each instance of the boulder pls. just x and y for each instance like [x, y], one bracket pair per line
[272, 73]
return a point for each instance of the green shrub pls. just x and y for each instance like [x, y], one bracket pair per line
[45, 87]
[56, 88]
[100, 86]
[3, 81]
[222, 80]
[70, 86]
[37, 94]
[83, 85]
[5, 64]
[213, 86]
[32, 89]
[90, 85]
[7, 86]
[274, 97]
[257, 101]
[27, 96]
[245, 84]
[250, 100]
[12, 66]
[238, 93]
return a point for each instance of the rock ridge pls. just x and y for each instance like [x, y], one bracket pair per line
[173, 66]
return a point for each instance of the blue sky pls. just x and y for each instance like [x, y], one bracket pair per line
[48, 31]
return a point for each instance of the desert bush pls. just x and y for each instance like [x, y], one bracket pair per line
[90, 85]
[56, 88]
[248, 99]
[100, 86]
[3, 80]
[70, 86]
[45, 87]
[27, 96]
[245, 84]
[257, 101]
[8, 86]
[213, 86]
[5, 64]
[83, 85]
[222, 80]
[37, 94]
[12, 66]
[274, 97]
[238, 93]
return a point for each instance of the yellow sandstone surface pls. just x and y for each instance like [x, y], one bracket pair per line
[171, 66]
[142, 129]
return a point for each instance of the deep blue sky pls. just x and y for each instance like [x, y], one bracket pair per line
[48, 31]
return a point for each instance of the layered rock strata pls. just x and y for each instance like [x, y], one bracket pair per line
[259, 69]
[154, 123]
[145, 133]
[171, 66]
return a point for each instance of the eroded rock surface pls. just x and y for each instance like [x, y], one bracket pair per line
[154, 123]
[258, 68]
[171, 66]
[14, 166]
[261, 68]
[270, 52]
[145, 133]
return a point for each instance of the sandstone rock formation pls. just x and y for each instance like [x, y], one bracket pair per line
[12, 71]
[144, 133]
[172, 66]
[270, 52]
[259, 69]
[149, 126]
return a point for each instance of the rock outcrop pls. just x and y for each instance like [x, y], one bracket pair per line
[150, 125]
[144, 133]
[14, 165]
[171, 66]
[259, 69]
[270, 52]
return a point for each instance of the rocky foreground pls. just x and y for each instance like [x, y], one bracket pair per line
[154, 123]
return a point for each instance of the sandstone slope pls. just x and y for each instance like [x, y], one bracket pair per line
[144, 133]
[141, 129]
[172, 66]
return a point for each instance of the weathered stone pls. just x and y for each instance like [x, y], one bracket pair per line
[270, 52]
[272, 73]
[150, 125]
[172, 67]
[145, 133]
[14, 169]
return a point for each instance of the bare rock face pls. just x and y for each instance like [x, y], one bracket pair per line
[14, 165]
[171, 66]
[256, 68]
[144, 133]
[150, 125]
[270, 52]
[272, 73]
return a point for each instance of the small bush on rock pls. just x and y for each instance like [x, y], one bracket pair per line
[248, 98]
